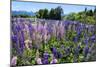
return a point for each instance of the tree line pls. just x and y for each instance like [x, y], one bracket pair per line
[54, 13]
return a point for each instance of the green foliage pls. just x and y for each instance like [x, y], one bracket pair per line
[71, 16]
[86, 16]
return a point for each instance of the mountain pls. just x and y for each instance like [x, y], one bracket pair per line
[23, 13]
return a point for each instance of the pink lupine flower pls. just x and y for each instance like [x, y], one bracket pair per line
[62, 30]
[54, 30]
[14, 61]
[39, 27]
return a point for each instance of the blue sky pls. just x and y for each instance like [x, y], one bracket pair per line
[34, 6]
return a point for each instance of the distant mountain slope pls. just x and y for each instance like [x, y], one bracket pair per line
[23, 13]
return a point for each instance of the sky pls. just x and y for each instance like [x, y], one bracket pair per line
[35, 6]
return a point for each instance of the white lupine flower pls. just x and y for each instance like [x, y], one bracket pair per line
[53, 61]
[27, 43]
[14, 60]
[38, 61]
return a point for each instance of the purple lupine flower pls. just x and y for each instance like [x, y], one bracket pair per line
[18, 28]
[78, 33]
[40, 28]
[46, 55]
[85, 35]
[21, 41]
[30, 29]
[49, 29]
[79, 46]
[86, 50]
[59, 55]
[75, 39]
[56, 53]
[14, 38]
[86, 41]
[45, 61]
[93, 38]
[45, 58]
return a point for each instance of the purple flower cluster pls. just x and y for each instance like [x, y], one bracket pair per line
[29, 35]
